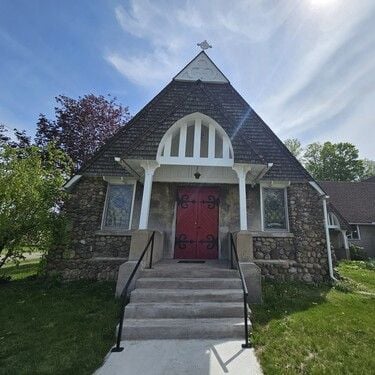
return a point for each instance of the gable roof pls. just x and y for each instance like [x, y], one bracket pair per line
[253, 141]
[201, 68]
[344, 224]
[370, 179]
[355, 200]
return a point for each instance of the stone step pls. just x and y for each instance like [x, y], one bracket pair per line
[186, 295]
[149, 329]
[184, 310]
[188, 283]
[189, 272]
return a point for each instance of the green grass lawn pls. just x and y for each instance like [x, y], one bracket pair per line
[26, 269]
[302, 329]
[47, 327]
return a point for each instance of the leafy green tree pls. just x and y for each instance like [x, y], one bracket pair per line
[333, 161]
[295, 147]
[30, 196]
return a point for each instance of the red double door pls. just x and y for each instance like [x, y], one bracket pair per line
[197, 223]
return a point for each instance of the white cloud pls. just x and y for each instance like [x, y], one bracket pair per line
[145, 71]
[301, 66]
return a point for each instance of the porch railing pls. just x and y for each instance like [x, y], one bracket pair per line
[233, 251]
[125, 292]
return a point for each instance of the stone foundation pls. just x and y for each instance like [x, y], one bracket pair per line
[268, 248]
[290, 270]
[91, 269]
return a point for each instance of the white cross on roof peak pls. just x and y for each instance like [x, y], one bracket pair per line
[204, 45]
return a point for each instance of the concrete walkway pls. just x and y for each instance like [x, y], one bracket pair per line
[180, 357]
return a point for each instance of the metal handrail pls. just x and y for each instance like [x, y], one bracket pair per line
[124, 294]
[244, 288]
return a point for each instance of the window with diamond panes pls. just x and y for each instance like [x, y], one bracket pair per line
[274, 214]
[118, 206]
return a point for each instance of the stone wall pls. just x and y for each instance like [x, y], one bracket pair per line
[268, 248]
[303, 256]
[90, 252]
[96, 254]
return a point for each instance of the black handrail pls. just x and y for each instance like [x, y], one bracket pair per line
[244, 288]
[124, 294]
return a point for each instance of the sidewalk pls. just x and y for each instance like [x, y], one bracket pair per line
[179, 357]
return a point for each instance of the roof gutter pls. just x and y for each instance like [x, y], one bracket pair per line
[326, 229]
[72, 182]
[263, 172]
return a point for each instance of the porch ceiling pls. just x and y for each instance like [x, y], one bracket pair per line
[185, 173]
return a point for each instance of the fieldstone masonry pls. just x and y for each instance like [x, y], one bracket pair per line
[95, 254]
[90, 253]
[303, 256]
[268, 248]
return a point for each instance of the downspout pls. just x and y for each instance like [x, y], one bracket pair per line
[328, 238]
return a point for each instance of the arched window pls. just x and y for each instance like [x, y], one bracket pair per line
[333, 222]
[196, 139]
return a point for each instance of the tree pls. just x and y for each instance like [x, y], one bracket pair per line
[30, 197]
[19, 139]
[333, 161]
[295, 147]
[81, 125]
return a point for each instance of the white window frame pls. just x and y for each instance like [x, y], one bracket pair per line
[272, 185]
[333, 221]
[117, 181]
[350, 234]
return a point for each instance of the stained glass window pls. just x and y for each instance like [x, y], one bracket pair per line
[119, 204]
[274, 209]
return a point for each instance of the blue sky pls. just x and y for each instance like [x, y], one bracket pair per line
[307, 67]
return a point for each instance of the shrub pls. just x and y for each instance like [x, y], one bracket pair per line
[357, 253]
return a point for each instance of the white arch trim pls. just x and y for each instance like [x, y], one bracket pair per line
[208, 144]
[333, 221]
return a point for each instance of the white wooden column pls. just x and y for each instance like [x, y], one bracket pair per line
[345, 239]
[149, 166]
[197, 138]
[241, 170]
[346, 243]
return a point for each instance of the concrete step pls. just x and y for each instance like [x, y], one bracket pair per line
[184, 310]
[189, 272]
[186, 295]
[148, 329]
[188, 283]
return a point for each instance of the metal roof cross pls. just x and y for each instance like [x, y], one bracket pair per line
[204, 45]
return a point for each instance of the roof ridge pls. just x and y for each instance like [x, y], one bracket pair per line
[231, 120]
[153, 127]
[274, 136]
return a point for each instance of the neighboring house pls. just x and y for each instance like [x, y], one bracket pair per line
[355, 201]
[196, 164]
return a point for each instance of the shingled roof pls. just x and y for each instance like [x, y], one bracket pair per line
[253, 141]
[355, 200]
[370, 179]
